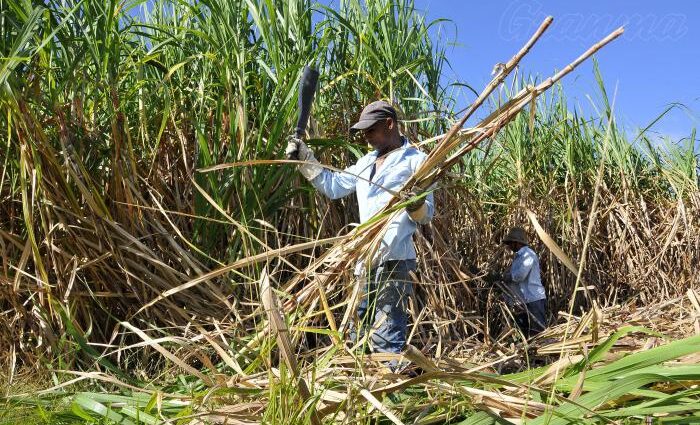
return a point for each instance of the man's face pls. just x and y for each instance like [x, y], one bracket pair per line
[513, 246]
[379, 135]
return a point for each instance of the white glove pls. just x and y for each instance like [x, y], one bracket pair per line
[418, 215]
[297, 149]
[417, 209]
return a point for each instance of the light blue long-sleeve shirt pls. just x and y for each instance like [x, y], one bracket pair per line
[397, 168]
[525, 272]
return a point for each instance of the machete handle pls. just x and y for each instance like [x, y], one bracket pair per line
[307, 89]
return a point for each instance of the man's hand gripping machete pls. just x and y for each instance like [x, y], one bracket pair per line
[296, 148]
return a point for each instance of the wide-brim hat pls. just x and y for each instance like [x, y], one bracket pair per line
[372, 113]
[516, 234]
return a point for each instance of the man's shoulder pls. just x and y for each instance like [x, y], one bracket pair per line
[413, 153]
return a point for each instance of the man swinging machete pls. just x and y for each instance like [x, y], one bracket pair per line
[386, 284]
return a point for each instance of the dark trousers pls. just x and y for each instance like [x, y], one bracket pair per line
[532, 320]
[384, 307]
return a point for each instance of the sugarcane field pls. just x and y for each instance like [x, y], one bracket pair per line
[347, 211]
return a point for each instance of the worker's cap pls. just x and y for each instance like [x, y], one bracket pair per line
[372, 113]
[516, 234]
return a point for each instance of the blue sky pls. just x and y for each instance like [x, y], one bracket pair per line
[654, 64]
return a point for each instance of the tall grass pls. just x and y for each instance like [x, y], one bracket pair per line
[129, 251]
[109, 117]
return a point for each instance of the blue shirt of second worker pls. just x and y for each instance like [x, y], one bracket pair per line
[525, 272]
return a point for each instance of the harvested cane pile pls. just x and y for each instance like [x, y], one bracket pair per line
[574, 386]
[632, 372]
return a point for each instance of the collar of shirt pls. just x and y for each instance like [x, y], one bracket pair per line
[521, 251]
[393, 155]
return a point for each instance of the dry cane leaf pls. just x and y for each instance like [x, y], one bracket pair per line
[551, 245]
[279, 326]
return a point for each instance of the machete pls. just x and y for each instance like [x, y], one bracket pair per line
[307, 89]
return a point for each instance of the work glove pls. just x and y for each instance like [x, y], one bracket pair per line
[297, 150]
[416, 208]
